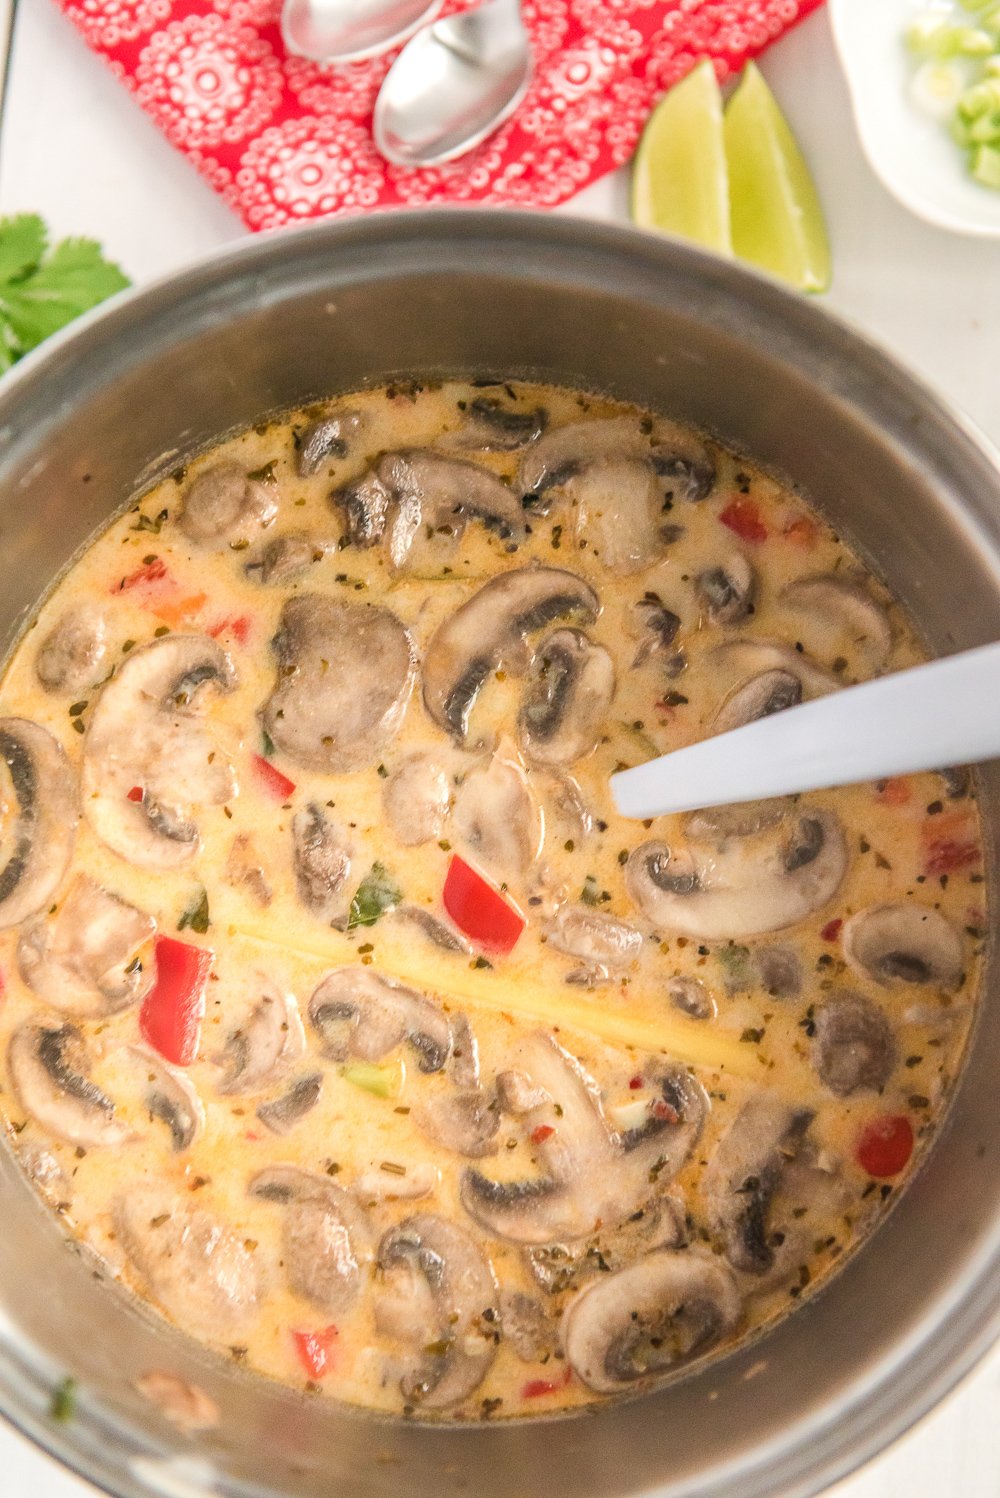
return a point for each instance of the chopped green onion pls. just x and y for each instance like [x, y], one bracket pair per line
[380, 1081]
[936, 88]
[986, 166]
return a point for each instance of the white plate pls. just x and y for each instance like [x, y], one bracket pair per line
[912, 154]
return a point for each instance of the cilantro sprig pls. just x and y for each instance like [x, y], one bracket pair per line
[43, 289]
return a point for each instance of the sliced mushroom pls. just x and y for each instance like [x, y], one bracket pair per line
[400, 1183]
[566, 452]
[780, 971]
[415, 799]
[489, 631]
[558, 1267]
[285, 558]
[321, 859]
[656, 627]
[904, 944]
[527, 1327]
[465, 1121]
[740, 886]
[567, 699]
[691, 997]
[437, 930]
[199, 1271]
[744, 1176]
[48, 1069]
[497, 816]
[839, 618]
[417, 488]
[147, 759]
[619, 506]
[245, 870]
[592, 1175]
[223, 504]
[359, 1013]
[170, 1096]
[284, 1112]
[327, 1243]
[656, 1315]
[438, 1294]
[41, 787]
[492, 426]
[602, 942]
[83, 960]
[726, 591]
[345, 672]
[761, 678]
[72, 656]
[269, 1041]
[566, 812]
[327, 437]
[853, 1046]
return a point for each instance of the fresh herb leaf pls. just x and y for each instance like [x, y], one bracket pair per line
[267, 744]
[377, 893]
[39, 293]
[196, 916]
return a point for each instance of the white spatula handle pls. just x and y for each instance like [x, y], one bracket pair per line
[946, 712]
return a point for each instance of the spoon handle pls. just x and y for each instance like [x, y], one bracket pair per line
[946, 712]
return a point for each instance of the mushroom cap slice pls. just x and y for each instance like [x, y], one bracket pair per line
[439, 1294]
[840, 618]
[39, 839]
[726, 591]
[492, 426]
[760, 677]
[281, 1114]
[362, 1014]
[745, 1173]
[170, 1096]
[145, 733]
[223, 504]
[682, 462]
[269, 1040]
[591, 1174]
[72, 655]
[490, 630]
[345, 672]
[498, 817]
[48, 1069]
[602, 942]
[853, 1046]
[655, 1315]
[415, 799]
[904, 944]
[328, 437]
[321, 859]
[570, 690]
[429, 487]
[198, 1270]
[619, 509]
[465, 1121]
[740, 886]
[83, 960]
[326, 1237]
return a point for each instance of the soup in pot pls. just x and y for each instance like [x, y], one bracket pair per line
[343, 1018]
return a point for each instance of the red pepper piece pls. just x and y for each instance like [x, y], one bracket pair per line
[801, 532]
[150, 572]
[271, 778]
[885, 1144]
[238, 626]
[831, 930]
[315, 1350]
[947, 855]
[743, 517]
[662, 1110]
[635, 1083]
[479, 910]
[536, 1387]
[136, 793]
[172, 1012]
[894, 792]
[543, 1132]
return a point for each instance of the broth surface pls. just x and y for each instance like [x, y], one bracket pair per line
[264, 1049]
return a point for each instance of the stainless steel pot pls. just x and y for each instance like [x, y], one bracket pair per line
[283, 320]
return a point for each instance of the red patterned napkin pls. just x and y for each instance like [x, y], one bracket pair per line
[284, 140]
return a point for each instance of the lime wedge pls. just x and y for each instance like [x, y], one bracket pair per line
[777, 221]
[679, 180]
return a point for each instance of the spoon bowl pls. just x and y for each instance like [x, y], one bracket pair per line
[338, 31]
[453, 84]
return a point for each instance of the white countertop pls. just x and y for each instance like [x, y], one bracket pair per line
[79, 151]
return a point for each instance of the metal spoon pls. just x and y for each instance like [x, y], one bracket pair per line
[944, 713]
[453, 84]
[335, 31]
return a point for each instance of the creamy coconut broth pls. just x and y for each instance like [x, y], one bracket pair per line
[347, 1023]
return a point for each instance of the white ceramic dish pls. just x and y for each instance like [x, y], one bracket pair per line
[911, 153]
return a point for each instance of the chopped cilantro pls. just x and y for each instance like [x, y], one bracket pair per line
[377, 893]
[42, 290]
[196, 916]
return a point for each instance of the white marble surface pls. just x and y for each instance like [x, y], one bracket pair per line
[77, 150]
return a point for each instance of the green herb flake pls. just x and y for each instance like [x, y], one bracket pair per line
[41, 290]
[266, 744]
[377, 894]
[264, 475]
[590, 894]
[154, 524]
[196, 915]
[63, 1404]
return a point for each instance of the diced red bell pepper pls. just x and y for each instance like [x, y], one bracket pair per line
[743, 517]
[543, 1132]
[315, 1350]
[136, 794]
[831, 930]
[238, 626]
[635, 1083]
[801, 532]
[535, 1388]
[894, 792]
[948, 855]
[277, 785]
[154, 571]
[172, 1012]
[480, 911]
[885, 1144]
